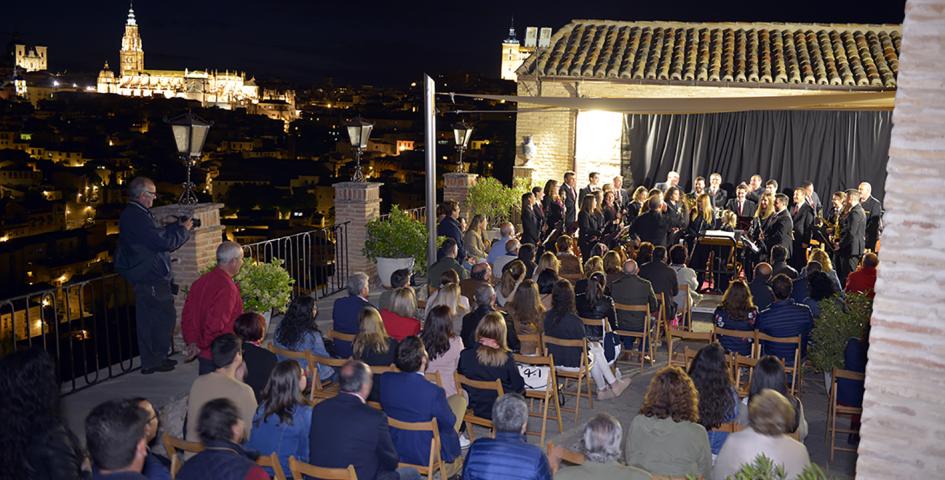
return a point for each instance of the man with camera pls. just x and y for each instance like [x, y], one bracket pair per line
[143, 258]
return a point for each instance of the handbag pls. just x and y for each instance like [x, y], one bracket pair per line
[535, 376]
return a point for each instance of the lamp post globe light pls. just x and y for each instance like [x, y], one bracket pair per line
[461, 134]
[359, 131]
[190, 133]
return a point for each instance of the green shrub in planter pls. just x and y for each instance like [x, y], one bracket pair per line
[497, 202]
[764, 468]
[839, 320]
[399, 236]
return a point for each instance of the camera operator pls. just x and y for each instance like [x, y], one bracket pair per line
[143, 258]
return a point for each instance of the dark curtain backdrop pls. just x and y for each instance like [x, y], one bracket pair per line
[834, 149]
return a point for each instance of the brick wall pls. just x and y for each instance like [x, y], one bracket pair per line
[456, 188]
[357, 203]
[904, 408]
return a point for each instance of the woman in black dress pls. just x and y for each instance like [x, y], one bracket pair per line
[702, 219]
[591, 223]
[553, 206]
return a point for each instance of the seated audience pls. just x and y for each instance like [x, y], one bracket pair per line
[488, 358]
[546, 282]
[409, 397]
[547, 261]
[346, 431]
[116, 440]
[662, 278]
[601, 446]
[592, 265]
[284, 418]
[259, 361]
[570, 264]
[863, 280]
[850, 392]
[761, 293]
[718, 400]
[736, 312]
[511, 278]
[447, 259]
[479, 275]
[398, 316]
[823, 258]
[511, 255]
[769, 374]
[769, 415]
[801, 285]
[443, 346]
[398, 279]
[666, 438]
[820, 289]
[223, 382]
[562, 322]
[450, 295]
[779, 263]
[298, 332]
[485, 304]
[633, 290]
[373, 345]
[526, 253]
[784, 318]
[36, 442]
[613, 266]
[346, 311]
[684, 276]
[526, 314]
[506, 232]
[474, 238]
[156, 467]
[508, 455]
[220, 427]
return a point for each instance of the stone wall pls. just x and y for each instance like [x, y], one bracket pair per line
[903, 430]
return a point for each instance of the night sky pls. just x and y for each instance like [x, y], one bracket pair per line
[379, 42]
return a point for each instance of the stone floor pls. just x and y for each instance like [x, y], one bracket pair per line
[168, 392]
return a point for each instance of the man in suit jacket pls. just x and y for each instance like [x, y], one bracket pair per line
[663, 279]
[780, 230]
[479, 275]
[449, 227]
[531, 228]
[761, 292]
[741, 205]
[346, 312]
[802, 216]
[672, 180]
[755, 188]
[568, 193]
[812, 198]
[852, 236]
[539, 195]
[653, 226]
[716, 192]
[631, 289]
[621, 195]
[874, 215]
[409, 397]
[345, 431]
[592, 186]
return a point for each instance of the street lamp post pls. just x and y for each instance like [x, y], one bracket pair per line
[461, 133]
[359, 131]
[190, 133]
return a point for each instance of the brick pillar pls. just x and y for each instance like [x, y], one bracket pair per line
[456, 187]
[526, 173]
[357, 203]
[904, 409]
[199, 253]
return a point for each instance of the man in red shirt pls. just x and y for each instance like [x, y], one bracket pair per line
[863, 280]
[212, 304]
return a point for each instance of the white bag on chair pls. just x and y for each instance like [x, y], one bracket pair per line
[535, 376]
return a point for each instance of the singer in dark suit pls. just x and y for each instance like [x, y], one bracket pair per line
[852, 241]
[802, 215]
[779, 230]
[568, 194]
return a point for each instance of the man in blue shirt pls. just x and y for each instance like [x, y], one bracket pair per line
[346, 311]
[507, 230]
[785, 318]
[507, 456]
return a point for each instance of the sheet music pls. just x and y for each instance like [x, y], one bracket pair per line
[720, 234]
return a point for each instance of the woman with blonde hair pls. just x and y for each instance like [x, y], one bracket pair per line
[372, 345]
[548, 261]
[821, 257]
[489, 359]
[399, 318]
[474, 238]
[526, 313]
[511, 278]
[613, 266]
[592, 265]
[450, 296]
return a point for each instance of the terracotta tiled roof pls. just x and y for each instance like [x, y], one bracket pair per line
[864, 57]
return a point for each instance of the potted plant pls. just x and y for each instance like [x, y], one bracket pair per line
[397, 242]
[763, 468]
[839, 320]
[495, 201]
[265, 287]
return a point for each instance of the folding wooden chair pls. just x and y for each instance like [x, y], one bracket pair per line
[686, 309]
[742, 369]
[672, 334]
[547, 396]
[301, 469]
[323, 389]
[570, 456]
[173, 445]
[470, 418]
[272, 461]
[336, 336]
[602, 325]
[644, 335]
[795, 368]
[434, 377]
[581, 375]
[834, 409]
[382, 369]
[534, 339]
[435, 462]
[750, 335]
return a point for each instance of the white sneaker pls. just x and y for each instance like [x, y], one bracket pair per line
[464, 441]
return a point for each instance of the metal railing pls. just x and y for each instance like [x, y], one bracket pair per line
[317, 260]
[419, 213]
[87, 327]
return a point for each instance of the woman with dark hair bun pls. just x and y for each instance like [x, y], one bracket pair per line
[718, 400]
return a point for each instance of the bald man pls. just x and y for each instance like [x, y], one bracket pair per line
[874, 215]
[631, 289]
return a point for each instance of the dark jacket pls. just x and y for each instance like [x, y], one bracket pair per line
[779, 230]
[652, 227]
[531, 227]
[569, 196]
[554, 213]
[345, 431]
[568, 327]
[591, 225]
[379, 359]
[143, 255]
[778, 268]
[718, 198]
[748, 209]
[602, 308]
[803, 218]
[508, 456]
[722, 319]
[874, 221]
[632, 290]
[96, 475]
[785, 318]
[480, 401]
[449, 228]
[346, 318]
[54, 453]
[442, 265]
[663, 279]
[221, 461]
[761, 293]
[471, 321]
[259, 364]
[409, 397]
[853, 233]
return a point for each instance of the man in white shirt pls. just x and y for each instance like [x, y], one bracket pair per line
[507, 230]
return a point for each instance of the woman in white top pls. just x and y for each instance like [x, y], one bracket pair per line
[769, 414]
[684, 276]
[443, 346]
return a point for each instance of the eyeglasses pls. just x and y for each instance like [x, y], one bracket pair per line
[149, 192]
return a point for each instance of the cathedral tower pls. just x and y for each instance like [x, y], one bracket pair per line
[132, 54]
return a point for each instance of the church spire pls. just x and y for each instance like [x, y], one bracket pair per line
[512, 37]
[131, 14]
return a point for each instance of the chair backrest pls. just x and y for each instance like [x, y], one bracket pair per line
[570, 456]
[379, 369]
[272, 461]
[462, 380]
[796, 341]
[533, 338]
[429, 426]
[600, 323]
[344, 337]
[434, 377]
[730, 427]
[314, 360]
[173, 445]
[622, 307]
[301, 469]
[283, 352]
[750, 335]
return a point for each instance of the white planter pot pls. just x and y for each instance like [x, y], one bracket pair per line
[387, 266]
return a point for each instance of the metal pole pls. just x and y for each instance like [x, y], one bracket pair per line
[429, 112]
